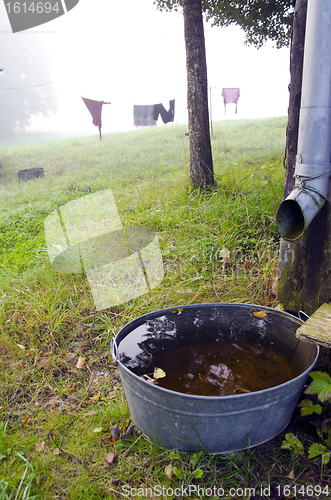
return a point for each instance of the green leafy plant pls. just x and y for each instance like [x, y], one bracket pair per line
[318, 449]
[292, 443]
[308, 407]
[190, 471]
[321, 386]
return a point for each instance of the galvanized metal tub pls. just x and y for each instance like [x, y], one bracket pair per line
[216, 424]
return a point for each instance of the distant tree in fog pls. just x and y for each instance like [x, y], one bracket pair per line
[25, 89]
[261, 20]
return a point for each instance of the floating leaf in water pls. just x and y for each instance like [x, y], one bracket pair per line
[241, 390]
[159, 373]
[260, 314]
[149, 379]
[177, 311]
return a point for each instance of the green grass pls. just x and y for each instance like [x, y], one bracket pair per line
[56, 419]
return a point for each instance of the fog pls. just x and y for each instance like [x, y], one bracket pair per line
[130, 53]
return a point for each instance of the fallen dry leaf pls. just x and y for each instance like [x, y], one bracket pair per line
[80, 363]
[309, 472]
[116, 432]
[129, 432]
[169, 471]
[56, 451]
[43, 362]
[291, 475]
[40, 446]
[26, 420]
[260, 314]
[95, 399]
[30, 352]
[111, 457]
[97, 430]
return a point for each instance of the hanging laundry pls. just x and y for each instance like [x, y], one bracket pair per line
[230, 96]
[95, 108]
[143, 116]
[167, 116]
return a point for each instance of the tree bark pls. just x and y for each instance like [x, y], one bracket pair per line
[304, 270]
[201, 163]
[296, 68]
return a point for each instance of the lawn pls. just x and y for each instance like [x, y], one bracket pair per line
[60, 421]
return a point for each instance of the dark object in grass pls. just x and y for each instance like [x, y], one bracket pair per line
[31, 173]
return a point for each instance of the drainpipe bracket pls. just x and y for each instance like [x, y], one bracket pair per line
[304, 170]
[315, 186]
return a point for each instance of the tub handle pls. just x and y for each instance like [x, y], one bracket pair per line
[303, 316]
[113, 349]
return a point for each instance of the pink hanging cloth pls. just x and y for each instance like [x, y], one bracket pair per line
[95, 108]
[230, 96]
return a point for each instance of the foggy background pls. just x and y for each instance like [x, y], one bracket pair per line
[130, 53]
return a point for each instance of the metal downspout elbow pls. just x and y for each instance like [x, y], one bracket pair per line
[305, 201]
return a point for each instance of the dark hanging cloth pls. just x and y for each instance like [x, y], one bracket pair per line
[167, 116]
[143, 116]
[95, 108]
[230, 96]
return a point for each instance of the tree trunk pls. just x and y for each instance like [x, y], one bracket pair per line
[304, 269]
[296, 67]
[201, 163]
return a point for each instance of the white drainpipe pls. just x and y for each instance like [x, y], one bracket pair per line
[312, 169]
